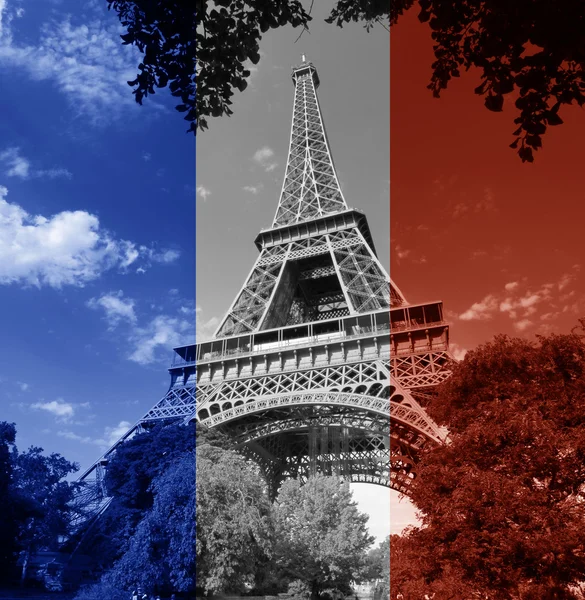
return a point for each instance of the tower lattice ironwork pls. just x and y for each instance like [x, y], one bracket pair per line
[320, 364]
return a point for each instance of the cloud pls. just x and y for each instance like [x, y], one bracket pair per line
[485, 204]
[53, 173]
[146, 156]
[204, 329]
[518, 302]
[401, 253]
[250, 66]
[164, 256]
[23, 386]
[481, 311]
[523, 324]
[151, 337]
[457, 351]
[203, 193]
[404, 253]
[116, 308]
[2, 10]
[86, 63]
[113, 434]
[253, 189]
[68, 248]
[263, 158]
[17, 165]
[110, 437]
[59, 408]
[162, 333]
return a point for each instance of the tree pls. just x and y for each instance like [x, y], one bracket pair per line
[8, 525]
[34, 501]
[321, 537]
[378, 568]
[502, 503]
[130, 475]
[211, 42]
[531, 50]
[234, 528]
[161, 555]
[44, 500]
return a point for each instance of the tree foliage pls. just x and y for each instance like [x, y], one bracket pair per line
[234, 527]
[321, 536]
[8, 504]
[131, 472]
[211, 42]
[34, 500]
[503, 503]
[161, 554]
[377, 567]
[529, 50]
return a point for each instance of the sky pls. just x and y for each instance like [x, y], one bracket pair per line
[498, 241]
[241, 162]
[97, 212]
[98, 244]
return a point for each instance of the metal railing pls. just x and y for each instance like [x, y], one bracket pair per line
[339, 336]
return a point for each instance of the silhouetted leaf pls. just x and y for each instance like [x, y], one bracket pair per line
[494, 102]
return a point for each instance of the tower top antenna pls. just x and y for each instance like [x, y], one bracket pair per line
[303, 59]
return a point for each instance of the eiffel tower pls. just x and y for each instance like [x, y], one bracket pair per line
[320, 364]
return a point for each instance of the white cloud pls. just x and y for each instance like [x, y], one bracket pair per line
[110, 437]
[116, 308]
[2, 10]
[59, 408]
[17, 165]
[204, 329]
[146, 156]
[113, 434]
[162, 333]
[53, 173]
[509, 287]
[263, 158]
[253, 189]
[203, 193]
[68, 248]
[23, 386]
[165, 256]
[70, 435]
[87, 63]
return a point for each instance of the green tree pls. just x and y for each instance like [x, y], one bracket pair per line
[321, 537]
[502, 503]
[234, 528]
